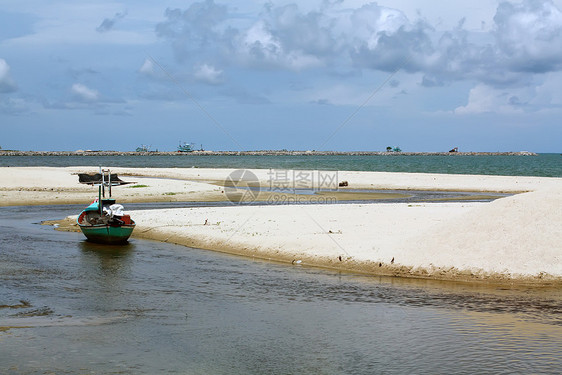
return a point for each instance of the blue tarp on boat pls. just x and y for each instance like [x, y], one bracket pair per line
[93, 207]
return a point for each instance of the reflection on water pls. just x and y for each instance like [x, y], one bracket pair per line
[151, 307]
[107, 263]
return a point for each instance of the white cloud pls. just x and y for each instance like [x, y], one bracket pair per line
[147, 67]
[7, 83]
[486, 99]
[529, 34]
[208, 73]
[84, 94]
[195, 30]
[525, 40]
[258, 46]
[371, 21]
[330, 40]
[258, 43]
[548, 92]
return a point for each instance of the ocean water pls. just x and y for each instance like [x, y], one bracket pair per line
[71, 307]
[545, 165]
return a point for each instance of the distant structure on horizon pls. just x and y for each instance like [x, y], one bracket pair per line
[395, 149]
[143, 148]
[188, 147]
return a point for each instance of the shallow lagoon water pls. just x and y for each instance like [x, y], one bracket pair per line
[151, 307]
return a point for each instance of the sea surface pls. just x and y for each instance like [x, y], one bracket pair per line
[545, 165]
[71, 307]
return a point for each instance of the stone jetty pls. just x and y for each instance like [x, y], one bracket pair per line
[255, 153]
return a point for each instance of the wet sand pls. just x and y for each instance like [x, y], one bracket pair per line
[512, 239]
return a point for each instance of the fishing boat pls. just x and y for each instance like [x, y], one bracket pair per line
[104, 221]
[186, 147]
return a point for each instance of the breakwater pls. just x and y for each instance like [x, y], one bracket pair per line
[256, 153]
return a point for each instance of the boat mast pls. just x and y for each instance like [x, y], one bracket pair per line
[99, 194]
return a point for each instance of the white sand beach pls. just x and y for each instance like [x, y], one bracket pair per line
[512, 239]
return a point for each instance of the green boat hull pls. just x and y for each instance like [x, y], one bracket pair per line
[107, 234]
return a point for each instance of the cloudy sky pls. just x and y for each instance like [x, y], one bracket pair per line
[425, 75]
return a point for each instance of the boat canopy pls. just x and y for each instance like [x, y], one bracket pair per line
[96, 179]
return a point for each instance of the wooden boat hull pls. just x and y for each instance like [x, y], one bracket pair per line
[105, 230]
[103, 221]
[107, 234]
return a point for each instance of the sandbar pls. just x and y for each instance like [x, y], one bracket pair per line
[514, 239]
